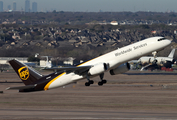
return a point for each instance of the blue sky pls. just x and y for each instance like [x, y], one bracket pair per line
[96, 5]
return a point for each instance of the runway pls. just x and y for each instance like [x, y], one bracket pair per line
[82, 114]
[127, 96]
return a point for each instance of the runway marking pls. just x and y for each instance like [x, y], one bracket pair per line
[112, 119]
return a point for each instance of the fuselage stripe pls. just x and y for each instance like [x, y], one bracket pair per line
[49, 83]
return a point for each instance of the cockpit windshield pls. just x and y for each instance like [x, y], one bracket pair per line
[161, 39]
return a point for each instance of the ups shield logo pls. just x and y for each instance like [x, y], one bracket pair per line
[23, 73]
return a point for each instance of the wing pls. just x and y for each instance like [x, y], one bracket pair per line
[77, 70]
[149, 66]
[145, 67]
[133, 61]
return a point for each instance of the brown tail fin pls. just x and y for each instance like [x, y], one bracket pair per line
[26, 74]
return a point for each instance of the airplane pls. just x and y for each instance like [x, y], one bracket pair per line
[48, 64]
[116, 62]
[157, 62]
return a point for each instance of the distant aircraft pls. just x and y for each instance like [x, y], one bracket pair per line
[157, 62]
[48, 64]
[116, 62]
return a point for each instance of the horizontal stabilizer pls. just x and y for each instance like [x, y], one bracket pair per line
[21, 87]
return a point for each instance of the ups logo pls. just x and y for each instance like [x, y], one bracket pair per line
[23, 73]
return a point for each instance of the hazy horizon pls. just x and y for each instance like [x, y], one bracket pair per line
[97, 5]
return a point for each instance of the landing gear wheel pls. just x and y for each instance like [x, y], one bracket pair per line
[87, 84]
[100, 83]
[104, 81]
[91, 81]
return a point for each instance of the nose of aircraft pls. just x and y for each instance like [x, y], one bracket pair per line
[168, 42]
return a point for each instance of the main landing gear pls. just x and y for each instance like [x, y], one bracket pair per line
[100, 83]
[89, 82]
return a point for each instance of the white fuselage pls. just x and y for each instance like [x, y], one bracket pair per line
[160, 60]
[114, 59]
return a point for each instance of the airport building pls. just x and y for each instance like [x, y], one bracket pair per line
[44, 61]
[4, 60]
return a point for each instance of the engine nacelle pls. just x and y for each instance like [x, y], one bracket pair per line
[121, 69]
[98, 69]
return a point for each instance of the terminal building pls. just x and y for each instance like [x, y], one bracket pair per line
[4, 60]
[44, 61]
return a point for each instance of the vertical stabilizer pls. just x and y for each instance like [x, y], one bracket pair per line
[26, 74]
[172, 53]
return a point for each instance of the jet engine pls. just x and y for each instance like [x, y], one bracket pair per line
[98, 69]
[121, 69]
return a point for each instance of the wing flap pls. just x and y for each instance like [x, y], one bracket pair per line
[77, 70]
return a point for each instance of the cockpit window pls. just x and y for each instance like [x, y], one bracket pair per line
[161, 39]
